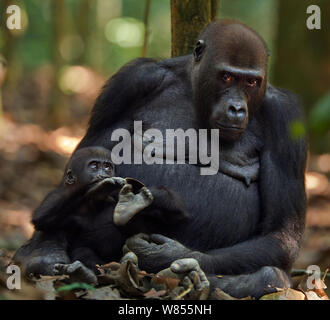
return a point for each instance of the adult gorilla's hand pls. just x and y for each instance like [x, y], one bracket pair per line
[156, 252]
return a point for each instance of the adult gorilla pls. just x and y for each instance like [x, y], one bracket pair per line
[247, 220]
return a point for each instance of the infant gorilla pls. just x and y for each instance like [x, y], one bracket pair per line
[96, 218]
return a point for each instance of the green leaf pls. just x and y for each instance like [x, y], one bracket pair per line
[74, 286]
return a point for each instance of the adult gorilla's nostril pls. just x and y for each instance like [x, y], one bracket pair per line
[236, 112]
[232, 110]
[236, 109]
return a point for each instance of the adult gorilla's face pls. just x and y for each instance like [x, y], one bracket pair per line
[229, 77]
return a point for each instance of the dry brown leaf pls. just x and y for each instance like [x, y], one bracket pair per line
[170, 283]
[287, 294]
[27, 292]
[321, 293]
[104, 293]
[311, 295]
[153, 294]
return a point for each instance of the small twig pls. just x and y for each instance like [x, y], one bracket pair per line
[325, 274]
[301, 272]
[184, 293]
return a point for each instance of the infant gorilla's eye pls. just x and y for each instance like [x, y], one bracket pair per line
[93, 165]
[107, 166]
[69, 175]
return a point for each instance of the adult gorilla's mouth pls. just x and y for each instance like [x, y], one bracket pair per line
[229, 133]
[235, 129]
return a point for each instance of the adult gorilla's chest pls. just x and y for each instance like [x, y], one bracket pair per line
[224, 208]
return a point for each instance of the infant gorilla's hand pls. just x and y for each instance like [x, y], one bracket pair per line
[155, 252]
[106, 186]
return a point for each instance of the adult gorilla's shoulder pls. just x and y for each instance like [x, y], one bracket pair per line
[281, 112]
[284, 102]
[125, 90]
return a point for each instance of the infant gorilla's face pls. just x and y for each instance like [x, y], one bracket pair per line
[88, 166]
[96, 170]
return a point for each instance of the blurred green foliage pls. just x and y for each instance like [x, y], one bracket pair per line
[320, 115]
[106, 34]
[297, 130]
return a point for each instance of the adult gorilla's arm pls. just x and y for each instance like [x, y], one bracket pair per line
[126, 90]
[282, 193]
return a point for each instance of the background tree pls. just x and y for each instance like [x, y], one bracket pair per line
[189, 17]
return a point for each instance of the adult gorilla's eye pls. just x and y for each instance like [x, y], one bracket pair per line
[107, 166]
[252, 82]
[93, 165]
[226, 77]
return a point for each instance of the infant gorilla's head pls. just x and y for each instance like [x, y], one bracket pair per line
[88, 166]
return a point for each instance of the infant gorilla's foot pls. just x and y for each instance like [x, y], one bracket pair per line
[77, 272]
[191, 275]
[129, 204]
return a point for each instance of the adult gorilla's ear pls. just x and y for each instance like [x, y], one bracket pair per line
[199, 49]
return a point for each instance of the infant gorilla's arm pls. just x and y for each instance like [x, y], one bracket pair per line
[52, 213]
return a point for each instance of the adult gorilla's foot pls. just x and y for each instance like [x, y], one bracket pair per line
[129, 204]
[77, 272]
[255, 285]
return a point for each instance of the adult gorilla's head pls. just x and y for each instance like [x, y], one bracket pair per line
[229, 76]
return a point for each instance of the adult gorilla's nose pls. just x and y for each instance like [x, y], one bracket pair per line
[237, 111]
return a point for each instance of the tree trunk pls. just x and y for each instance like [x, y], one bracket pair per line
[189, 17]
[214, 9]
[146, 26]
[83, 27]
[58, 111]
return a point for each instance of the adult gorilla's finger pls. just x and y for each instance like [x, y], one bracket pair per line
[126, 249]
[129, 256]
[139, 240]
[185, 265]
[192, 266]
[158, 238]
[186, 282]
